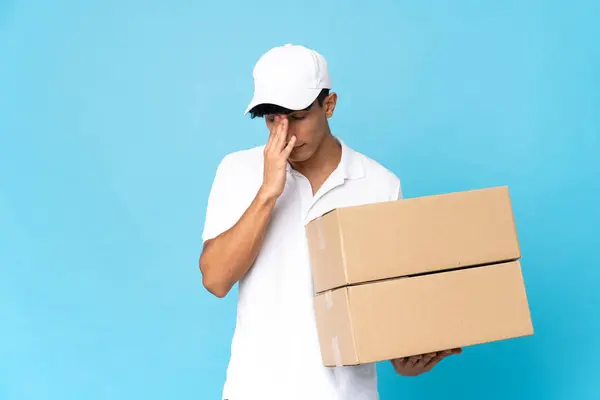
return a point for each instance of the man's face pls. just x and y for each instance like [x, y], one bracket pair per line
[309, 126]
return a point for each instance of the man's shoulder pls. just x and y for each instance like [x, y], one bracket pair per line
[244, 157]
[241, 164]
[377, 171]
[241, 169]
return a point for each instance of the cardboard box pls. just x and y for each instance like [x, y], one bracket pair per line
[407, 237]
[415, 315]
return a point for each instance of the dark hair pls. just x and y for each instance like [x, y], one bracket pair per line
[265, 109]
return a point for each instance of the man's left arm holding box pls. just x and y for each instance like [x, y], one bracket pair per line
[417, 365]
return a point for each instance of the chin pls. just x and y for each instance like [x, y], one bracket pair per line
[300, 155]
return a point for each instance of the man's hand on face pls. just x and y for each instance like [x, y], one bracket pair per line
[417, 365]
[276, 155]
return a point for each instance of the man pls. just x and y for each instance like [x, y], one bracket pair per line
[259, 204]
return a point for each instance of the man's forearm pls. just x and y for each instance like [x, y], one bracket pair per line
[228, 257]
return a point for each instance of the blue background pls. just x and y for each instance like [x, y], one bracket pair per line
[114, 115]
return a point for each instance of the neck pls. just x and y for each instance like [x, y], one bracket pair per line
[323, 162]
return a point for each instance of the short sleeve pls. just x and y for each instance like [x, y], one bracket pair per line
[399, 194]
[221, 210]
[395, 189]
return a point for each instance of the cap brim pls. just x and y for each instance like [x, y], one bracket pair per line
[293, 99]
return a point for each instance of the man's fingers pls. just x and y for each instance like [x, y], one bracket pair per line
[398, 363]
[441, 355]
[428, 357]
[272, 133]
[415, 359]
[284, 131]
[290, 146]
[281, 135]
[425, 359]
[434, 360]
[450, 352]
[408, 364]
[401, 362]
[275, 132]
[420, 364]
[276, 122]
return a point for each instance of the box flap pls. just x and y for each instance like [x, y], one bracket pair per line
[433, 233]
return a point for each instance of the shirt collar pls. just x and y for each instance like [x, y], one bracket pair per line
[351, 165]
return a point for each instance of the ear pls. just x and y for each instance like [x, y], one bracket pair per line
[329, 104]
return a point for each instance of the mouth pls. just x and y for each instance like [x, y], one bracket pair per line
[296, 147]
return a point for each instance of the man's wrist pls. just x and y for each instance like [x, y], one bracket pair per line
[265, 197]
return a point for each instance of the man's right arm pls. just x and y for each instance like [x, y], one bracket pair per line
[227, 257]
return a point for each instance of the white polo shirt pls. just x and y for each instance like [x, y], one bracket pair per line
[275, 350]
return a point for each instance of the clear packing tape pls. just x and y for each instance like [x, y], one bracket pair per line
[321, 233]
[335, 343]
[329, 300]
[337, 356]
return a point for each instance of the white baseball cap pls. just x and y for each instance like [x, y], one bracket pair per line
[289, 76]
